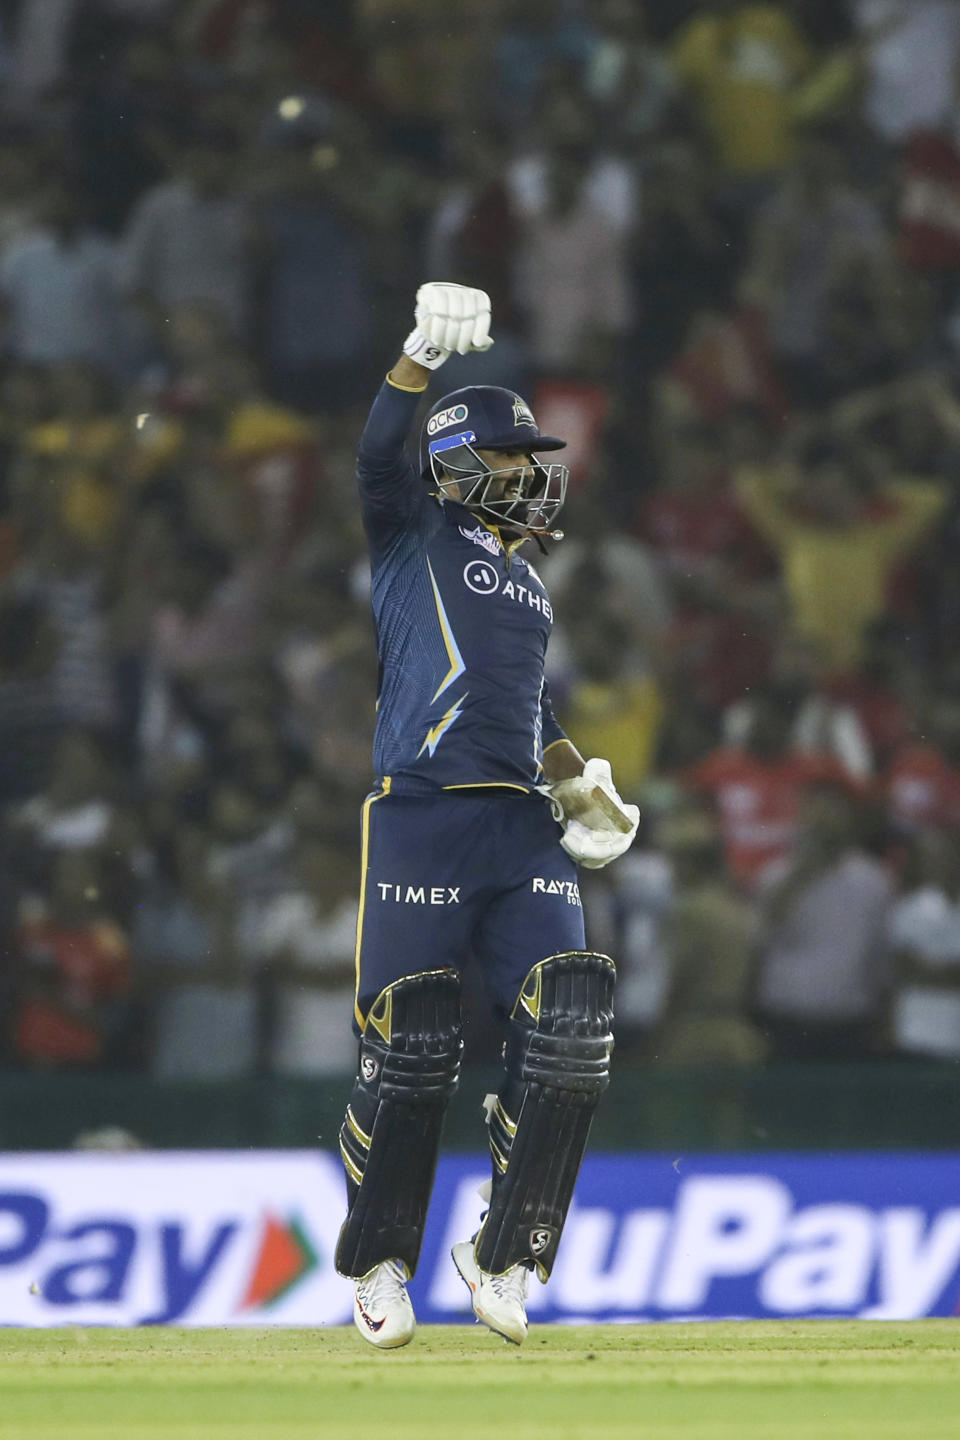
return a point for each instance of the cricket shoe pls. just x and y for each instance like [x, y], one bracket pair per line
[500, 1301]
[381, 1306]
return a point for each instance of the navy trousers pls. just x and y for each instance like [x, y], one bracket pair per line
[462, 875]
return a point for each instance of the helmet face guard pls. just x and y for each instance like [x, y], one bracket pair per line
[461, 475]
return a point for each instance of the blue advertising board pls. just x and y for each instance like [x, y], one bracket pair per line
[722, 1236]
[247, 1238]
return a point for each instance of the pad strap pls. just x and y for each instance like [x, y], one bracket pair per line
[390, 1137]
[558, 1065]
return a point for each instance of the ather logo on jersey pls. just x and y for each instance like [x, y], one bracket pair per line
[481, 577]
[484, 579]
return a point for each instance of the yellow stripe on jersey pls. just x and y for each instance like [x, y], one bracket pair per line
[434, 735]
[364, 865]
[457, 666]
[489, 785]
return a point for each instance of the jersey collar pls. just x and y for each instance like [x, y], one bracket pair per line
[508, 546]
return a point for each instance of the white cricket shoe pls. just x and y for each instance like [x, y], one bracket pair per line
[500, 1301]
[381, 1307]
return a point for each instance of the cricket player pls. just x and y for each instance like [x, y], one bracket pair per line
[481, 813]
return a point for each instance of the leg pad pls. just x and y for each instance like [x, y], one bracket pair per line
[558, 1065]
[390, 1137]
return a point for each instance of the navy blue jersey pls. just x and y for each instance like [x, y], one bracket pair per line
[462, 627]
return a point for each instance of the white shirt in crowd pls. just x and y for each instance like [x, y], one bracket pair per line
[925, 926]
[827, 961]
[572, 270]
[911, 65]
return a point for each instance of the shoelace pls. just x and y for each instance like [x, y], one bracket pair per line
[513, 1285]
[385, 1284]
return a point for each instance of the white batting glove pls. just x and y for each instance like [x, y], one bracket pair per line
[597, 825]
[449, 318]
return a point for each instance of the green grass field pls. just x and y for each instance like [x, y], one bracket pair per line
[770, 1381]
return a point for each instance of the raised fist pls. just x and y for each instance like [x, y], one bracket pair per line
[449, 318]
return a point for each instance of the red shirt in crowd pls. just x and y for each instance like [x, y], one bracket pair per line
[757, 801]
[691, 531]
[922, 789]
[66, 973]
[930, 203]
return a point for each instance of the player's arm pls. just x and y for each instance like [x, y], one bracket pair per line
[448, 318]
[920, 503]
[597, 825]
[761, 495]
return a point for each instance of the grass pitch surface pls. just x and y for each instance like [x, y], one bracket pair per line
[769, 1381]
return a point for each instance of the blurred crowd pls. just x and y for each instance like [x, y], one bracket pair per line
[722, 241]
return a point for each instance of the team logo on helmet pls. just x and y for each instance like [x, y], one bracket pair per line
[522, 414]
[451, 416]
[539, 1239]
[368, 1067]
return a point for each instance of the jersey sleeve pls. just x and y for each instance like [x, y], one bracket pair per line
[391, 491]
[550, 728]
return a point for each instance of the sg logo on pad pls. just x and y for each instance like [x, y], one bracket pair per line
[481, 577]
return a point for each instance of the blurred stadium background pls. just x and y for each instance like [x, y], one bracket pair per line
[723, 246]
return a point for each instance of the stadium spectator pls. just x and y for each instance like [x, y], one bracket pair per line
[71, 964]
[537, 52]
[741, 62]
[188, 238]
[203, 1008]
[304, 939]
[77, 807]
[614, 703]
[58, 286]
[31, 716]
[912, 51]
[21, 190]
[123, 112]
[708, 937]
[315, 326]
[814, 233]
[925, 941]
[683, 251]
[628, 78]
[822, 725]
[756, 790]
[576, 207]
[746, 209]
[837, 548]
[823, 977]
[69, 462]
[595, 558]
[922, 781]
[472, 233]
[63, 571]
